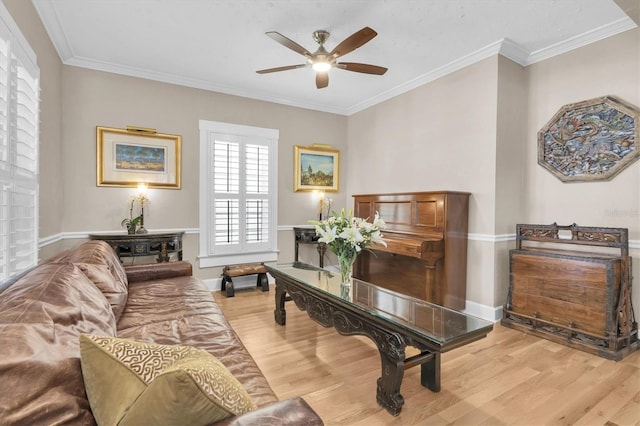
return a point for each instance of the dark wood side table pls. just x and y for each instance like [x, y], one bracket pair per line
[151, 244]
[307, 235]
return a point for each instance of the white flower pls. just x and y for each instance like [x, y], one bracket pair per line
[376, 237]
[347, 236]
[378, 222]
[353, 236]
[327, 235]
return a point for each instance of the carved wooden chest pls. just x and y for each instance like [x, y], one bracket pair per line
[573, 288]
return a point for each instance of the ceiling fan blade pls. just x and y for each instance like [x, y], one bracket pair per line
[363, 68]
[322, 79]
[354, 41]
[285, 68]
[287, 42]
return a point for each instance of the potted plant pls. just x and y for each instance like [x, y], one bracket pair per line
[131, 224]
[135, 224]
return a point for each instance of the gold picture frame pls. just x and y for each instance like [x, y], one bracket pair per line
[316, 168]
[128, 157]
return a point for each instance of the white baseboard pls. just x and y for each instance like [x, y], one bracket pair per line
[490, 313]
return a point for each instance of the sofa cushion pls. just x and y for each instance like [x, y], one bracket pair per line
[131, 383]
[181, 311]
[114, 290]
[41, 317]
[98, 253]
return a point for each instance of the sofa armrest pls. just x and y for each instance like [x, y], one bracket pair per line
[157, 271]
[290, 412]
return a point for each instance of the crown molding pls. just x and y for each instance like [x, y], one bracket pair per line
[505, 47]
[49, 14]
[470, 59]
[597, 34]
[196, 84]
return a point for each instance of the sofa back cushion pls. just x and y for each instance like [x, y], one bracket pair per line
[115, 291]
[101, 265]
[41, 317]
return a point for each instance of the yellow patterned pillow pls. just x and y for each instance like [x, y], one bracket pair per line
[133, 383]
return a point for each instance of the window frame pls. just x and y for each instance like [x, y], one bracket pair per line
[19, 173]
[210, 253]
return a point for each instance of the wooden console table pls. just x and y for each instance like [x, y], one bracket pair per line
[151, 244]
[307, 235]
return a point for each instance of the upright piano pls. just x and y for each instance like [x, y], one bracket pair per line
[426, 252]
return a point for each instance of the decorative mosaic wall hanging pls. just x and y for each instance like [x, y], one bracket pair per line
[590, 140]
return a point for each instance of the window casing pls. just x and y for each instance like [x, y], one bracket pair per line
[238, 194]
[19, 109]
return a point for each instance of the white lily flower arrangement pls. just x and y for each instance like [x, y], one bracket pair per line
[347, 236]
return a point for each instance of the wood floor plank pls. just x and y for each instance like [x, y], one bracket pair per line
[508, 378]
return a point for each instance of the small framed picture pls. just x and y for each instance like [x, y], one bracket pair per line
[316, 168]
[127, 157]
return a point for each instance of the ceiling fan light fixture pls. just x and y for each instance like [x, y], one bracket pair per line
[322, 61]
[321, 66]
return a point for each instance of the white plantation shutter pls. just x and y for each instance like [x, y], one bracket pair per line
[19, 106]
[226, 184]
[238, 194]
[257, 193]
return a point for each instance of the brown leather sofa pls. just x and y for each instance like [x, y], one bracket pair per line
[86, 290]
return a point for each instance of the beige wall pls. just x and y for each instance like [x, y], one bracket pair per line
[94, 98]
[473, 130]
[440, 136]
[608, 67]
[76, 100]
[510, 189]
[97, 98]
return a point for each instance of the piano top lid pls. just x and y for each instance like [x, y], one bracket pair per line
[422, 214]
[417, 193]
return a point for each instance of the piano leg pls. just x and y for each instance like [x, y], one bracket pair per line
[430, 284]
[433, 279]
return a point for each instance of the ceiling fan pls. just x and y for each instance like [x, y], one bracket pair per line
[322, 61]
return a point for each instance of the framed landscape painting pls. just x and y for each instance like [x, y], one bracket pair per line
[316, 168]
[127, 157]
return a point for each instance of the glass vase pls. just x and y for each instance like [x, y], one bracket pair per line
[346, 269]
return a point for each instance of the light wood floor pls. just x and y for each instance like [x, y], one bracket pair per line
[508, 378]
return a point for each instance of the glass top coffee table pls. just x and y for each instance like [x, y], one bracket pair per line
[392, 320]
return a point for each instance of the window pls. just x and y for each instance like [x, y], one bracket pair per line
[238, 194]
[19, 106]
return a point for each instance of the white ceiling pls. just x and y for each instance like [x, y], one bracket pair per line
[219, 44]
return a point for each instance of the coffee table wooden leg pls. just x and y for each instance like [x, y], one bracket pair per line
[430, 373]
[388, 392]
[279, 313]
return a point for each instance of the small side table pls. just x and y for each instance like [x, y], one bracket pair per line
[151, 244]
[307, 235]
